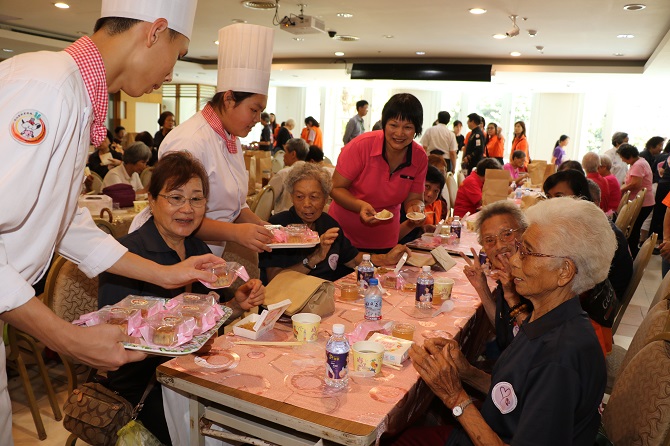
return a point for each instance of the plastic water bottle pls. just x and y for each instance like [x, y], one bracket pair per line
[364, 272]
[337, 357]
[373, 301]
[456, 226]
[518, 193]
[424, 289]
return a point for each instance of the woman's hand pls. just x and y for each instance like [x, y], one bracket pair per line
[504, 275]
[252, 236]
[327, 240]
[251, 294]
[392, 257]
[437, 368]
[473, 271]
[367, 214]
[188, 271]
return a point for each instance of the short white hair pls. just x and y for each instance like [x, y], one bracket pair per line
[591, 162]
[579, 230]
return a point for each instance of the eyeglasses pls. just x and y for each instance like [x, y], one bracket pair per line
[523, 252]
[505, 236]
[180, 200]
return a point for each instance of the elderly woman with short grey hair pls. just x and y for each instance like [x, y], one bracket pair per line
[334, 257]
[135, 159]
[547, 385]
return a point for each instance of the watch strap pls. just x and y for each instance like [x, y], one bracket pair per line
[462, 407]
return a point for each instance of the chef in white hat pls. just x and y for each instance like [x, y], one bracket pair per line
[212, 135]
[53, 105]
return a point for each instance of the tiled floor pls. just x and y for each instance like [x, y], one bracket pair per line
[24, 428]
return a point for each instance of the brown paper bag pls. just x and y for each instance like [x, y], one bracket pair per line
[252, 176]
[308, 294]
[536, 171]
[549, 171]
[496, 185]
[263, 165]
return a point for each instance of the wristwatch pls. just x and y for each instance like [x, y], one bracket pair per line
[305, 262]
[457, 411]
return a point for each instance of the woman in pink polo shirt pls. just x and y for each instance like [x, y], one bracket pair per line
[379, 170]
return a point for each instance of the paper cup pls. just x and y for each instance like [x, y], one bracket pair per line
[139, 205]
[442, 290]
[306, 326]
[367, 356]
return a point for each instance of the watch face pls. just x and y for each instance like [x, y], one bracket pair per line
[457, 411]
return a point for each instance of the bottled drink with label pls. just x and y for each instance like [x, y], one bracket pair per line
[364, 272]
[373, 301]
[456, 226]
[424, 289]
[337, 357]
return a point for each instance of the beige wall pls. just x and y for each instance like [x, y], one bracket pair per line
[125, 109]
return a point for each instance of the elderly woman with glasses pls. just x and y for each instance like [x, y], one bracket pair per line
[178, 194]
[548, 384]
[334, 257]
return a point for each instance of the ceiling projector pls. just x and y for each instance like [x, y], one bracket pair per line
[303, 24]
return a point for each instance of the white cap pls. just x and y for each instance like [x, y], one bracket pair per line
[245, 58]
[425, 268]
[338, 328]
[366, 256]
[178, 13]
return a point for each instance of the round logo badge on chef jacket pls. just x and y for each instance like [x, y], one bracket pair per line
[504, 397]
[29, 127]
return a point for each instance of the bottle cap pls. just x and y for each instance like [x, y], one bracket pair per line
[424, 268]
[373, 282]
[366, 256]
[338, 328]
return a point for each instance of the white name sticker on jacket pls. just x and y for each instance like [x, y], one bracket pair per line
[29, 127]
[332, 261]
[504, 397]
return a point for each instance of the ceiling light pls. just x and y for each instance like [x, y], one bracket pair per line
[259, 5]
[387, 36]
[345, 38]
[499, 36]
[477, 11]
[634, 7]
[61, 5]
[8, 50]
[515, 54]
[625, 36]
[339, 53]
[216, 42]
[344, 15]
[618, 54]
[238, 21]
[420, 53]
[298, 39]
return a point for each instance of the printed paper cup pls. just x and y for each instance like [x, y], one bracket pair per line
[367, 357]
[306, 326]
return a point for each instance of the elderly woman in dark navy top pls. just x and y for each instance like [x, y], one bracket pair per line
[334, 257]
[547, 385]
[177, 196]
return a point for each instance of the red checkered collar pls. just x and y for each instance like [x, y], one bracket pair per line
[215, 123]
[92, 69]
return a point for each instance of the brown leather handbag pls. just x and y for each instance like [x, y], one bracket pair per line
[95, 414]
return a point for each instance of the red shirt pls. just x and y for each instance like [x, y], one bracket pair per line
[469, 195]
[604, 190]
[362, 163]
[615, 191]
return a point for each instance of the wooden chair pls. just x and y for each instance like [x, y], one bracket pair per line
[460, 177]
[145, 176]
[624, 200]
[264, 203]
[639, 265]
[663, 291]
[96, 186]
[452, 186]
[637, 207]
[623, 219]
[656, 321]
[637, 411]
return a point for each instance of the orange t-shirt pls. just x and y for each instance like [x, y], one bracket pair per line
[436, 209]
[318, 136]
[495, 147]
[520, 144]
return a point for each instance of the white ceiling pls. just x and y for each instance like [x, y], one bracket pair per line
[578, 36]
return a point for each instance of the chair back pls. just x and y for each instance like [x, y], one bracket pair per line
[105, 226]
[663, 291]
[624, 200]
[145, 176]
[460, 178]
[68, 292]
[96, 186]
[452, 186]
[623, 221]
[637, 207]
[235, 252]
[637, 411]
[639, 265]
[445, 196]
[264, 203]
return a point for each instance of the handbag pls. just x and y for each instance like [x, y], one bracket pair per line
[308, 294]
[95, 414]
[124, 194]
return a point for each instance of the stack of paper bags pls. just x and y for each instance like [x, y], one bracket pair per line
[536, 172]
[251, 170]
[496, 186]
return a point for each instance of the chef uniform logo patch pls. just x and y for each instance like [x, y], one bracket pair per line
[504, 397]
[29, 127]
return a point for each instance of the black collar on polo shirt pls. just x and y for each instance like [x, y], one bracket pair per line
[408, 157]
[555, 318]
[151, 238]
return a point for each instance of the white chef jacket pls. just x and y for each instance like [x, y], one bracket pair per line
[228, 177]
[119, 175]
[40, 184]
[619, 168]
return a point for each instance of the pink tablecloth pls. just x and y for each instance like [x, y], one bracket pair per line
[295, 375]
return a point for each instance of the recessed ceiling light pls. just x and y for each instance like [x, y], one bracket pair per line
[299, 39]
[515, 54]
[420, 53]
[61, 5]
[387, 36]
[339, 53]
[259, 5]
[500, 36]
[634, 7]
[625, 36]
[345, 38]
[216, 42]
[238, 21]
[477, 11]
[618, 54]
[344, 15]
[8, 50]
